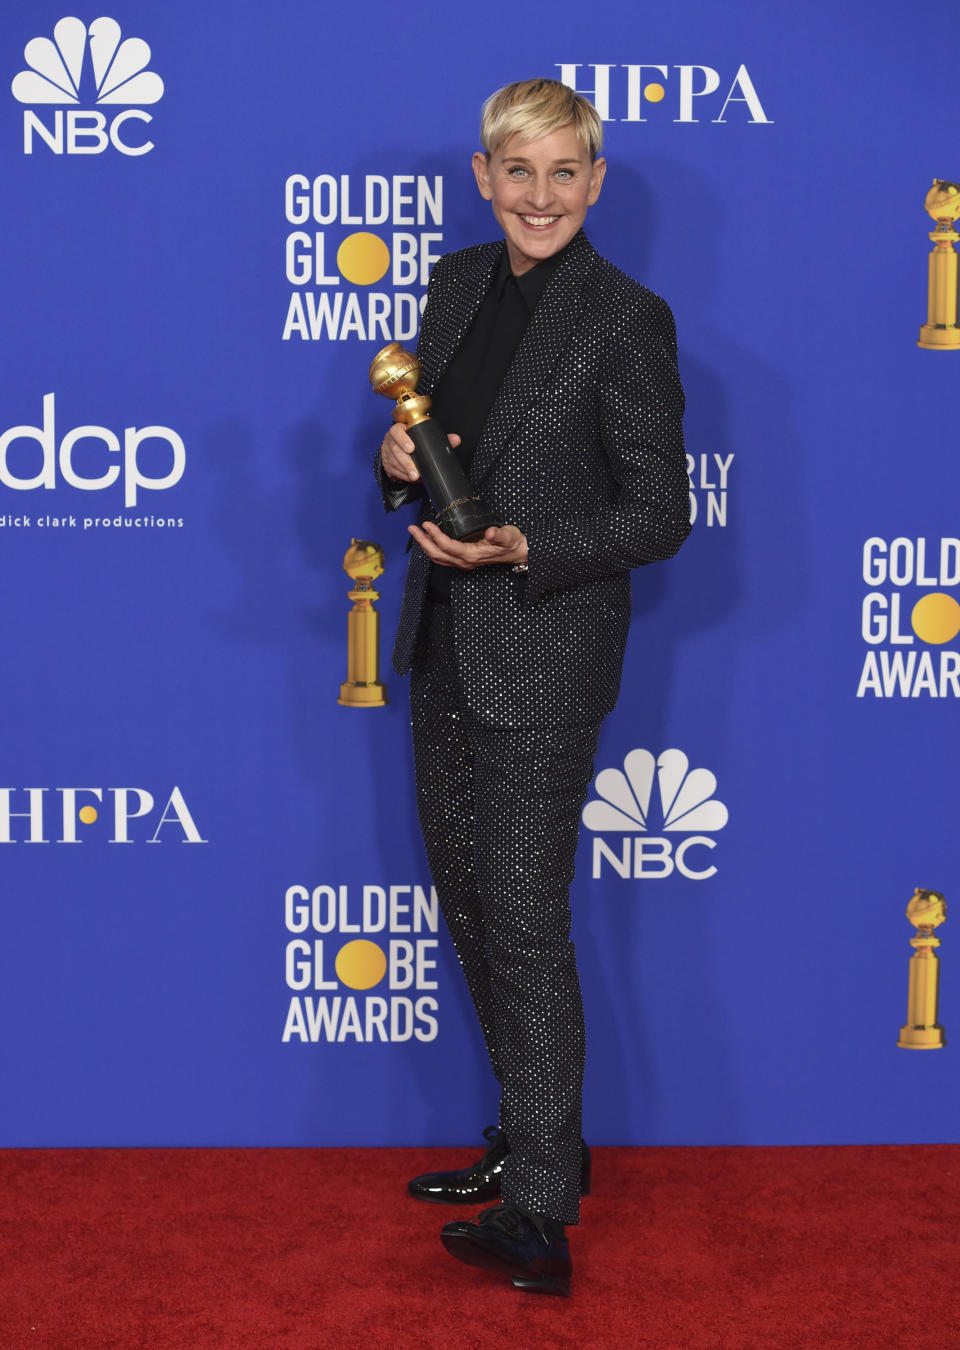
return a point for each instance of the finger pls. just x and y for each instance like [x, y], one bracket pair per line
[396, 436]
[468, 551]
[443, 541]
[395, 458]
[454, 439]
[477, 554]
[398, 433]
[399, 466]
[464, 555]
[445, 549]
[453, 553]
[427, 544]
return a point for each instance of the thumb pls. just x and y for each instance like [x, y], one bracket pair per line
[454, 439]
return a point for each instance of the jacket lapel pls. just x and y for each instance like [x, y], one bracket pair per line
[458, 313]
[544, 342]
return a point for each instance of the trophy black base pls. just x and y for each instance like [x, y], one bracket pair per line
[467, 519]
[464, 516]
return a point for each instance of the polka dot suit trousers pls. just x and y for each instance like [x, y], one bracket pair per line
[500, 813]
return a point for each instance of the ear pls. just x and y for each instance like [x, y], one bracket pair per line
[596, 179]
[481, 171]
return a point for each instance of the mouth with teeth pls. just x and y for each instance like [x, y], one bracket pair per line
[539, 222]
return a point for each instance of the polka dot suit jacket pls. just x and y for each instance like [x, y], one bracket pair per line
[583, 451]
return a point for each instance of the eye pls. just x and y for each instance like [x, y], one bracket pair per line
[517, 171]
[565, 175]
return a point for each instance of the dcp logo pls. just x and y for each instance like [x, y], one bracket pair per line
[60, 72]
[23, 469]
[687, 806]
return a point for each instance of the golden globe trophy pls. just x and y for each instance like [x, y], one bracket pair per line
[363, 563]
[461, 514]
[941, 332]
[926, 910]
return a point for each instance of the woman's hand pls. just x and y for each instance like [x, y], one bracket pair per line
[395, 454]
[500, 544]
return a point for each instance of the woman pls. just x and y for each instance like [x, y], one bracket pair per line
[556, 376]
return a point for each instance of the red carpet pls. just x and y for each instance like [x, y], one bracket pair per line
[680, 1249]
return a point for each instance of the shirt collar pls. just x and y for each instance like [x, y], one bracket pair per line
[532, 283]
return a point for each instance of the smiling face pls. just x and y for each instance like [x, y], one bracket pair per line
[540, 191]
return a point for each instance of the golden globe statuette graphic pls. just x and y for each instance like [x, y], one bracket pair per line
[941, 332]
[926, 910]
[461, 514]
[363, 563]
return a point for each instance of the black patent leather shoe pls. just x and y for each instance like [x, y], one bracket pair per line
[506, 1239]
[477, 1184]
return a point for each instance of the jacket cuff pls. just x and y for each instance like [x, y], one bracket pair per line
[394, 494]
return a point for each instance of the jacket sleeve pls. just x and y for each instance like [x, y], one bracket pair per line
[394, 493]
[640, 423]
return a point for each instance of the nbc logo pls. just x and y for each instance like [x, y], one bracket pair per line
[60, 72]
[623, 806]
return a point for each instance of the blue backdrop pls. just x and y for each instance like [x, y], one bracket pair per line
[192, 831]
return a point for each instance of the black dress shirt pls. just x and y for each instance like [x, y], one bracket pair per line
[466, 390]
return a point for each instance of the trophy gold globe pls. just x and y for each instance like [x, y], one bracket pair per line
[461, 513]
[363, 563]
[926, 911]
[941, 332]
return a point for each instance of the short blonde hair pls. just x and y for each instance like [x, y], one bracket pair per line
[535, 108]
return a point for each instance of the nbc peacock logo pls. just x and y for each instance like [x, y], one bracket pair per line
[625, 806]
[86, 65]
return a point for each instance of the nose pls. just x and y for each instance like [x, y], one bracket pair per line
[540, 193]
